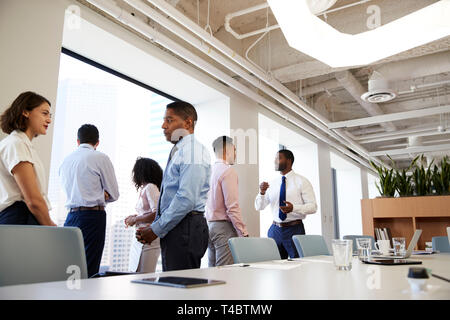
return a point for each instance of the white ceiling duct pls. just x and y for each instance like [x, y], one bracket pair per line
[415, 141]
[318, 6]
[379, 89]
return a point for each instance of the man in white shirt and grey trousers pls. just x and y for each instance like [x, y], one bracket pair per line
[291, 198]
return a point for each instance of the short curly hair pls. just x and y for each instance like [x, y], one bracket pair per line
[13, 118]
[145, 171]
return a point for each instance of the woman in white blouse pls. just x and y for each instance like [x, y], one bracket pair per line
[23, 185]
[147, 177]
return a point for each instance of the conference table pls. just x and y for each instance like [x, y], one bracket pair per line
[304, 278]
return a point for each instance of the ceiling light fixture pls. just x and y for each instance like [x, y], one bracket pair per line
[309, 34]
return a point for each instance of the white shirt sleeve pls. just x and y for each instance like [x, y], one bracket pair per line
[14, 153]
[309, 205]
[262, 201]
[152, 195]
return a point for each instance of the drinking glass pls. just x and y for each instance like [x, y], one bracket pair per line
[364, 246]
[399, 244]
[342, 254]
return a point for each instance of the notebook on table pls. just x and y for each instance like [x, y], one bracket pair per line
[179, 282]
[391, 262]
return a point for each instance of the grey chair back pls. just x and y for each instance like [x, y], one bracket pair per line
[448, 234]
[354, 237]
[31, 254]
[247, 250]
[440, 244]
[310, 245]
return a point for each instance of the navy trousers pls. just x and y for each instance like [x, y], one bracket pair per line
[283, 238]
[93, 227]
[17, 213]
[184, 246]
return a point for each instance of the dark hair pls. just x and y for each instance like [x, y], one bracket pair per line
[184, 110]
[145, 171]
[287, 154]
[88, 133]
[219, 144]
[13, 118]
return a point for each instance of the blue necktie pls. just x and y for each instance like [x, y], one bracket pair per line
[281, 214]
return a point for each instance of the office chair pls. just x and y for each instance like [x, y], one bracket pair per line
[441, 244]
[448, 234]
[310, 245]
[30, 254]
[354, 237]
[246, 250]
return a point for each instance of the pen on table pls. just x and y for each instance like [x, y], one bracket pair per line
[234, 265]
[437, 276]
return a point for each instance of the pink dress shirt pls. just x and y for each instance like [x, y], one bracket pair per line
[223, 198]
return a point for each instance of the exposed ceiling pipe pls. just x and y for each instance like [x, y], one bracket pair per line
[419, 149]
[319, 87]
[238, 36]
[354, 87]
[396, 116]
[316, 8]
[425, 85]
[416, 67]
[424, 133]
[143, 28]
[313, 117]
[408, 131]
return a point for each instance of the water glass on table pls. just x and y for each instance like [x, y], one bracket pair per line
[364, 246]
[399, 244]
[342, 254]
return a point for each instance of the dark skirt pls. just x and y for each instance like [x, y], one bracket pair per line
[17, 213]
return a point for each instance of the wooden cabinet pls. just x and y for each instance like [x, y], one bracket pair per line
[404, 215]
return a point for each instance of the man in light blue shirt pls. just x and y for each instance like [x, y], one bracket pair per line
[180, 221]
[89, 181]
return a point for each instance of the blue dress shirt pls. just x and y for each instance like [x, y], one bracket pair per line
[85, 175]
[185, 184]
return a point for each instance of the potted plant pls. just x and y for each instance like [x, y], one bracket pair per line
[441, 177]
[422, 179]
[403, 179]
[388, 182]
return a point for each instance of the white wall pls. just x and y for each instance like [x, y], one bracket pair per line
[213, 121]
[349, 194]
[30, 37]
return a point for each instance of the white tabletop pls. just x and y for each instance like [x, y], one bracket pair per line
[312, 278]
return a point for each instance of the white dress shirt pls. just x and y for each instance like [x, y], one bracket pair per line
[299, 192]
[85, 175]
[16, 148]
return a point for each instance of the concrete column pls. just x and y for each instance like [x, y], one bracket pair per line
[364, 184]
[30, 38]
[326, 192]
[244, 121]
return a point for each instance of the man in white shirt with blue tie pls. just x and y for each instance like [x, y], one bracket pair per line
[291, 198]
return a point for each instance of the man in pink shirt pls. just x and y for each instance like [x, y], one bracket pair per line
[222, 208]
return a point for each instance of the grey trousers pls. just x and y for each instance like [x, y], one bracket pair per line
[219, 253]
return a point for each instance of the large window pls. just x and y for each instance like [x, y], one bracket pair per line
[129, 119]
